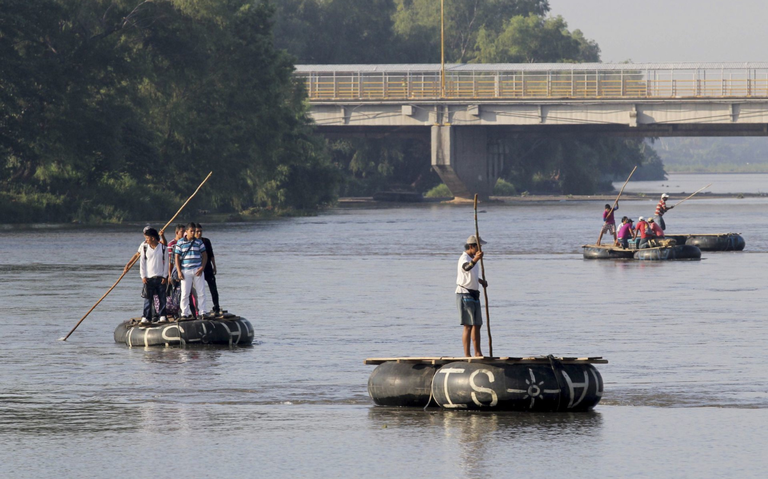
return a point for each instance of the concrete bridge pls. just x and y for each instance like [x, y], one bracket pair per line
[471, 110]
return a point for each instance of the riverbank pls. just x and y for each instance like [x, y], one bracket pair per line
[369, 201]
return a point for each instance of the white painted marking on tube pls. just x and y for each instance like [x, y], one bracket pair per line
[598, 389]
[447, 372]
[475, 387]
[228, 331]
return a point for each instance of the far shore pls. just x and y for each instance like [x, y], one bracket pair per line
[367, 200]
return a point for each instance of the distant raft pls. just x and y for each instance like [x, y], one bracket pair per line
[540, 384]
[712, 242]
[593, 251]
[660, 253]
[229, 330]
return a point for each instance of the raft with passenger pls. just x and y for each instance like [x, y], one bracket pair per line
[538, 384]
[668, 252]
[228, 330]
[593, 251]
[712, 242]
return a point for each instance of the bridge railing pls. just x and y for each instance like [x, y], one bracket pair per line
[399, 82]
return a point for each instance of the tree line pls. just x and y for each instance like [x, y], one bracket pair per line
[113, 110]
[116, 109]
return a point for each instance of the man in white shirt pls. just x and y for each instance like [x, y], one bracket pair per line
[468, 295]
[154, 273]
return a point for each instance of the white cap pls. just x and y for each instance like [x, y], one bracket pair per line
[640, 219]
[664, 195]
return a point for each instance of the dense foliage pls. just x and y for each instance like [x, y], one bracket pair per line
[714, 155]
[408, 31]
[112, 110]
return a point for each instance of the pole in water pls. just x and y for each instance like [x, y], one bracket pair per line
[133, 262]
[485, 289]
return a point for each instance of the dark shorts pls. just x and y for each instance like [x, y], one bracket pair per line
[470, 312]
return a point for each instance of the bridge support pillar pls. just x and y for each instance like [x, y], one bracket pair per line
[460, 157]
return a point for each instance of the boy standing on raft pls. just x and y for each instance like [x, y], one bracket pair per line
[468, 295]
[190, 259]
[609, 224]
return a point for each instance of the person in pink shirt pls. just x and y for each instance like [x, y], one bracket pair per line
[626, 232]
[609, 224]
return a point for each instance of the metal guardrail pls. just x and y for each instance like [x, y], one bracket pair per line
[634, 81]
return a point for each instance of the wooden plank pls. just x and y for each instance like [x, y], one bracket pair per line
[437, 360]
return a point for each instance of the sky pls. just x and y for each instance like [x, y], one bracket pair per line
[671, 30]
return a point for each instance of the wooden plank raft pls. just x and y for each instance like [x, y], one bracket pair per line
[504, 359]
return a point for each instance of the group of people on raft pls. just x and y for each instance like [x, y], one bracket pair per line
[174, 274]
[647, 229]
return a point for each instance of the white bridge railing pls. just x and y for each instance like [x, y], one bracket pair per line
[534, 81]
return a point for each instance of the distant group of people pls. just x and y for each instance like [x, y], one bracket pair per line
[175, 272]
[647, 229]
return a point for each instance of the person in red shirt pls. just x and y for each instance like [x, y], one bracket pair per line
[642, 232]
[657, 231]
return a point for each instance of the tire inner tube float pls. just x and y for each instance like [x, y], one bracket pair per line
[544, 386]
[229, 330]
[683, 251]
[606, 252]
[717, 242]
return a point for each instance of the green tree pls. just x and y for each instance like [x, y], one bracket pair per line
[535, 39]
[418, 23]
[113, 110]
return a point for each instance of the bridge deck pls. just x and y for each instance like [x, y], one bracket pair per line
[535, 81]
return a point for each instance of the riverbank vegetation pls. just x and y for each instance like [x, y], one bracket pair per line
[113, 110]
[116, 110]
[714, 155]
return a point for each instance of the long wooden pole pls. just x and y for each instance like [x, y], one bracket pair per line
[616, 202]
[485, 290]
[442, 48]
[688, 198]
[133, 261]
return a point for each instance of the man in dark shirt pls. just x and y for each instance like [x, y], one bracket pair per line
[210, 269]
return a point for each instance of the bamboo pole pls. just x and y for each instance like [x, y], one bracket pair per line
[133, 261]
[688, 198]
[616, 202]
[485, 289]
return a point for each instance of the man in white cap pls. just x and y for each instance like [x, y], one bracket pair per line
[468, 294]
[662, 208]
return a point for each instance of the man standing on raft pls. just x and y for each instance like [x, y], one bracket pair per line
[662, 208]
[468, 295]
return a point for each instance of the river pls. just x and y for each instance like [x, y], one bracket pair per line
[686, 389]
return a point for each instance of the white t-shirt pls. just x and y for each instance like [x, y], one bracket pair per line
[466, 280]
[155, 263]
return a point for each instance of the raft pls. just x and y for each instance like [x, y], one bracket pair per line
[229, 330]
[659, 253]
[536, 384]
[593, 251]
[712, 242]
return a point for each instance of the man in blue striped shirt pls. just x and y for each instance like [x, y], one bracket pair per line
[191, 258]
